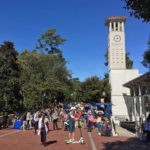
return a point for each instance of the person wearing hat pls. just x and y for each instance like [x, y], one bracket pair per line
[71, 119]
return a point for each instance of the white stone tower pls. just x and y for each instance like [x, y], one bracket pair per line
[116, 42]
[118, 74]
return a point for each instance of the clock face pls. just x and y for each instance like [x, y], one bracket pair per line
[117, 38]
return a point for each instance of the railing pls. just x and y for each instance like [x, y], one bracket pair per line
[129, 126]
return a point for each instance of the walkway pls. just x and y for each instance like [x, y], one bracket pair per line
[12, 140]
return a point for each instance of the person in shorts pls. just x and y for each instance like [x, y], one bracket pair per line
[71, 119]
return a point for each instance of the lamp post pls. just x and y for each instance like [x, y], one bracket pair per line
[102, 100]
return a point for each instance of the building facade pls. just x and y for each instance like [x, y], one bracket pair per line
[140, 97]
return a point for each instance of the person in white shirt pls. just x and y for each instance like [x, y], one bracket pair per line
[43, 129]
[36, 119]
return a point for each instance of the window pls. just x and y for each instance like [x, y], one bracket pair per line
[120, 26]
[116, 26]
[112, 26]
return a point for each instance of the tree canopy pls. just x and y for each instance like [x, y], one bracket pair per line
[10, 71]
[50, 42]
[140, 9]
[32, 80]
[146, 56]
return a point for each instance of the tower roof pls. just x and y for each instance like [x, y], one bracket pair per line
[115, 18]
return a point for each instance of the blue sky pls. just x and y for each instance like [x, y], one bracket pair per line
[81, 22]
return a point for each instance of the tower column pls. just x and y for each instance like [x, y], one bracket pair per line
[114, 26]
[110, 26]
[122, 26]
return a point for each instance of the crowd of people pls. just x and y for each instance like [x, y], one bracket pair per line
[70, 120]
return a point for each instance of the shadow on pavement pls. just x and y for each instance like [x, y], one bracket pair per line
[130, 144]
[51, 142]
[56, 129]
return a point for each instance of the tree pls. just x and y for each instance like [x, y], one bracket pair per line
[129, 62]
[44, 77]
[146, 57]
[50, 42]
[10, 72]
[139, 9]
[91, 90]
[106, 88]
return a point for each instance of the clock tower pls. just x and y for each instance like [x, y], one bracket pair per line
[116, 42]
[118, 74]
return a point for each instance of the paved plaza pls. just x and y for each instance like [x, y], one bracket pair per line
[11, 139]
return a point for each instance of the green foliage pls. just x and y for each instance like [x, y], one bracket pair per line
[44, 77]
[129, 62]
[32, 80]
[9, 78]
[139, 9]
[106, 57]
[90, 91]
[146, 57]
[50, 42]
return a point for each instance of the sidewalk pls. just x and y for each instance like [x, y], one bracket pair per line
[27, 140]
[118, 142]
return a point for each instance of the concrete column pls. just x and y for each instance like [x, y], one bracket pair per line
[114, 26]
[140, 103]
[122, 26]
[144, 110]
[135, 113]
[110, 26]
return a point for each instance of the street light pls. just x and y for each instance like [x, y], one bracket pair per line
[103, 94]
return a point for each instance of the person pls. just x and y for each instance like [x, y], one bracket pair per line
[43, 129]
[147, 128]
[98, 124]
[63, 117]
[76, 115]
[55, 119]
[14, 120]
[71, 122]
[36, 119]
[5, 120]
[24, 121]
[28, 119]
[85, 118]
[47, 120]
